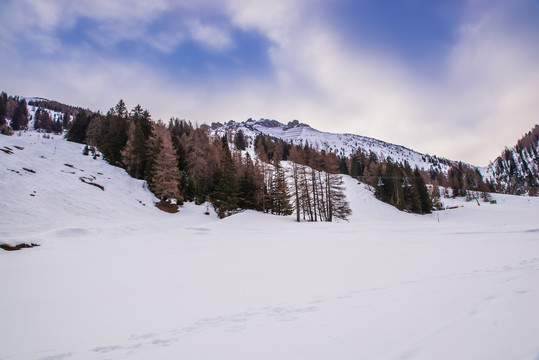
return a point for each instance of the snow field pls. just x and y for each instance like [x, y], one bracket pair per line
[115, 279]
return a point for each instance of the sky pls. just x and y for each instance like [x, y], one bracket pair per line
[453, 78]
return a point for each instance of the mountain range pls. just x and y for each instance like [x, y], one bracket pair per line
[515, 171]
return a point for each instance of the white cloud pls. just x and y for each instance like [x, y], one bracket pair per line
[484, 98]
[494, 78]
[210, 36]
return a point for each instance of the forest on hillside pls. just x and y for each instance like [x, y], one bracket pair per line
[182, 162]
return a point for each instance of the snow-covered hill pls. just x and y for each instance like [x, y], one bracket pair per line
[116, 278]
[339, 144]
[49, 186]
[517, 170]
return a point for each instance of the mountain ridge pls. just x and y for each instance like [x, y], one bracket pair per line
[343, 145]
[515, 171]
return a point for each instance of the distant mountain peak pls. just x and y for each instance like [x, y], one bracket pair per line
[302, 134]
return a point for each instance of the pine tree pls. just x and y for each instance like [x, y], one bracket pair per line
[79, 126]
[65, 120]
[338, 206]
[3, 108]
[426, 202]
[113, 134]
[45, 121]
[343, 166]
[120, 109]
[411, 194]
[134, 153]
[20, 116]
[176, 141]
[278, 193]
[239, 140]
[225, 196]
[138, 114]
[247, 186]
[37, 115]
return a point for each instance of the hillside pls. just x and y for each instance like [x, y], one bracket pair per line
[116, 278]
[340, 144]
[517, 169]
[49, 186]
[515, 172]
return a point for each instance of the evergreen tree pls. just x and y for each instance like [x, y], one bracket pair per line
[239, 140]
[343, 167]
[134, 153]
[57, 126]
[20, 116]
[3, 108]
[188, 188]
[37, 115]
[225, 196]
[411, 194]
[43, 121]
[426, 202]
[337, 205]
[65, 120]
[113, 135]
[138, 114]
[180, 150]
[247, 186]
[278, 192]
[146, 124]
[79, 126]
[120, 109]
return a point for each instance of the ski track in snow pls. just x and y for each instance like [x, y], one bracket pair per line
[116, 278]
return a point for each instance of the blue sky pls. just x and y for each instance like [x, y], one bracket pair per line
[458, 78]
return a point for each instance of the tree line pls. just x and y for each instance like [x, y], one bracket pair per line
[16, 109]
[13, 108]
[182, 162]
[416, 190]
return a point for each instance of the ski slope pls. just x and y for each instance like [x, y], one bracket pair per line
[115, 278]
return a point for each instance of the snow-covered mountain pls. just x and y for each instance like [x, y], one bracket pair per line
[517, 169]
[339, 144]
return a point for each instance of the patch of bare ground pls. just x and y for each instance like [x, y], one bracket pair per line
[167, 206]
[8, 247]
[89, 182]
[7, 150]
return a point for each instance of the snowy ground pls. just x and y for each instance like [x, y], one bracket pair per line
[116, 278]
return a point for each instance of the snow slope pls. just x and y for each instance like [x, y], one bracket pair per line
[517, 169]
[115, 278]
[339, 144]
